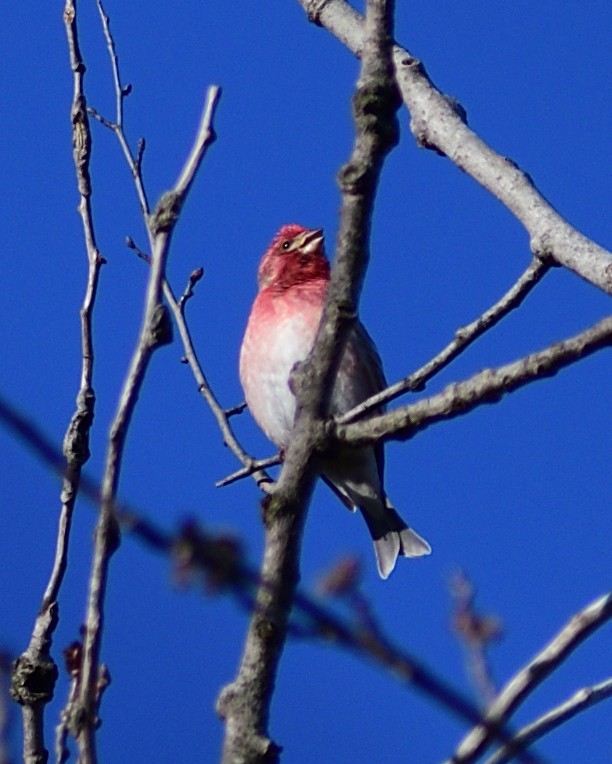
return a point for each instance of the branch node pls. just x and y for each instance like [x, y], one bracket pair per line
[235, 410]
[76, 440]
[166, 213]
[33, 682]
[161, 327]
[375, 106]
[314, 9]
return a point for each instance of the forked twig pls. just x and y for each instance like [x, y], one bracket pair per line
[487, 386]
[464, 337]
[438, 122]
[580, 701]
[581, 626]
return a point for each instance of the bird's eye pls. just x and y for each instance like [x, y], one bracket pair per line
[286, 244]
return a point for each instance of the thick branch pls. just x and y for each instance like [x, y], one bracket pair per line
[245, 703]
[486, 387]
[439, 123]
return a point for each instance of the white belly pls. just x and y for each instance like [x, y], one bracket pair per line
[267, 359]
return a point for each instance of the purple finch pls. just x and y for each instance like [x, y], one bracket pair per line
[293, 278]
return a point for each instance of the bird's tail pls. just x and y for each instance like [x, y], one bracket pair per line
[392, 537]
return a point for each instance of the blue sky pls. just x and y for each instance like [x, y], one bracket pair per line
[517, 494]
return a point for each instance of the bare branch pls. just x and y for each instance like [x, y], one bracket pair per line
[222, 416]
[439, 123]
[488, 386]
[250, 465]
[250, 469]
[135, 163]
[194, 277]
[120, 91]
[580, 701]
[35, 667]
[204, 138]
[156, 331]
[464, 337]
[245, 703]
[73, 657]
[581, 626]
[235, 410]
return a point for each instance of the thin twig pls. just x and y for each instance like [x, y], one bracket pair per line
[464, 337]
[62, 729]
[35, 667]
[254, 468]
[178, 310]
[487, 386]
[235, 410]
[194, 277]
[579, 702]
[121, 93]
[251, 466]
[581, 626]
[155, 331]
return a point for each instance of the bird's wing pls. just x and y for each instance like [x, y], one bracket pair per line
[369, 361]
[370, 372]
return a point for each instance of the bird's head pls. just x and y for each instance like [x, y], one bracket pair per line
[295, 256]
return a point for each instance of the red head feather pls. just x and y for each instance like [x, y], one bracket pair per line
[295, 256]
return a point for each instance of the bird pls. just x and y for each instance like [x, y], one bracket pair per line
[293, 279]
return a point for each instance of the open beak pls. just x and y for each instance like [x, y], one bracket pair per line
[310, 240]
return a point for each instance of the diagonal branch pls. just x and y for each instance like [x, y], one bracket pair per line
[254, 467]
[579, 628]
[488, 386]
[250, 466]
[464, 337]
[580, 701]
[439, 123]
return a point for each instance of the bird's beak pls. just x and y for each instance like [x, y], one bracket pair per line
[309, 241]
